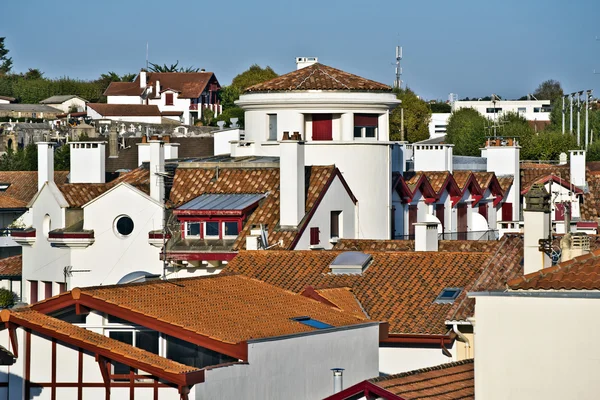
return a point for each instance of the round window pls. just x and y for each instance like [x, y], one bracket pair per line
[124, 225]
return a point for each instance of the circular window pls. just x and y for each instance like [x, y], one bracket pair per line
[124, 225]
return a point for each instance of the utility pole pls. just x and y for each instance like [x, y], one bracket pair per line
[588, 97]
[398, 85]
[563, 114]
[579, 118]
[571, 120]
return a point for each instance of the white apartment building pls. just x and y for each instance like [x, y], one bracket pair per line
[531, 110]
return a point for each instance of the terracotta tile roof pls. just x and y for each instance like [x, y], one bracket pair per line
[580, 273]
[398, 287]
[229, 308]
[319, 77]
[78, 194]
[188, 84]
[190, 183]
[505, 183]
[344, 299]
[11, 266]
[437, 179]
[87, 339]
[590, 209]
[531, 172]
[461, 178]
[23, 187]
[125, 110]
[452, 381]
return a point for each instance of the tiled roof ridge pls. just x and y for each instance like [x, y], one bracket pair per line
[315, 69]
[561, 267]
[423, 370]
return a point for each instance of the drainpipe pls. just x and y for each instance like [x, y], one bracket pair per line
[463, 338]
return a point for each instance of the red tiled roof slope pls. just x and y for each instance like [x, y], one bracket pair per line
[452, 381]
[23, 187]
[398, 287]
[125, 110]
[188, 84]
[240, 309]
[344, 299]
[318, 77]
[11, 266]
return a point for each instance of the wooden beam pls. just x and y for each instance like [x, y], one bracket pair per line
[12, 333]
[103, 364]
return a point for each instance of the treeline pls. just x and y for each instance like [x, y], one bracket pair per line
[35, 90]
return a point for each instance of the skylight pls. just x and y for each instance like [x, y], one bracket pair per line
[350, 262]
[312, 322]
[4, 186]
[448, 295]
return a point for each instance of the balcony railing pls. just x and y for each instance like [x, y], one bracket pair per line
[470, 235]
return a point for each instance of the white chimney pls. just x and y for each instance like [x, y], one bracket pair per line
[88, 162]
[562, 159]
[338, 379]
[157, 88]
[536, 217]
[291, 187]
[503, 156]
[303, 62]
[113, 142]
[574, 245]
[143, 150]
[157, 169]
[577, 167]
[143, 78]
[171, 151]
[433, 157]
[426, 236]
[45, 156]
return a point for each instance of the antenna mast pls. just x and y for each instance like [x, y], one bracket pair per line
[146, 56]
[398, 81]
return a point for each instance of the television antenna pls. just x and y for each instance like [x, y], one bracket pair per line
[398, 80]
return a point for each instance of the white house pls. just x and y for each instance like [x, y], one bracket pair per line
[224, 336]
[6, 99]
[531, 110]
[342, 119]
[137, 113]
[66, 103]
[438, 124]
[182, 94]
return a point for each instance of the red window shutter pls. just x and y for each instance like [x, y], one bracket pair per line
[62, 287]
[47, 290]
[33, 291]
[461, 210]
[559, 212]
[322, 127]
[439, 213]
[314, 236]
[367, 120]
[483, 210]
[169, 99]
[412, 219]
[507, 212]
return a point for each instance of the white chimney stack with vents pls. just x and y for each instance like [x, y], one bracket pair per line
[291, 188]
[45, 158]
[88, 162]
[143, 77]
[503, 159]
[303, 62]
[536, 217]
[157, 170]
[426, 236]
[577, 167]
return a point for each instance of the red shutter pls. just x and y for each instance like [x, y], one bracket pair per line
[314, 236]
[439, 213]
[62, 287]
[559, 212]
[47, 290]
[169, 99]
[483, 210]
[33, 292]
[507, 212]
[412, 219]
[322, 128]
[461, 210]
[369, 120]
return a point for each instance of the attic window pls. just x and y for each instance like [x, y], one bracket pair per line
[312, 322]
[4, 186]
[350, 262]
[448, 296]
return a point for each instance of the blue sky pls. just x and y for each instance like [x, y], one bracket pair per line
[470, 47]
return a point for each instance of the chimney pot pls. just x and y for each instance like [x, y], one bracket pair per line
[286, 136]
[426, 236]
[338, 379]
[45, 163]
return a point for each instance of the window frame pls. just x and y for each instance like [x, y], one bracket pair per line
[200, 229]
[206, 235]
[335, 215]
[171, 97]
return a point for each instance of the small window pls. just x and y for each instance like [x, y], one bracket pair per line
[211, 228]
[125, 337]
[312, 322]
[4, 186]
[47, 290]
[492, 110]
[448, 295]
[335, 224]
[33, 115]
[124, 225]
[168, 99]
[314, 236]
[33, 292]
[230, 228]
[193, 229]
[521, 110]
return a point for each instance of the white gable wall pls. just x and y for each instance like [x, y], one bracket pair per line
[124, 100]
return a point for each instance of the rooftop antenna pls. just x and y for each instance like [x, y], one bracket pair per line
[398, 81]
[146, 55]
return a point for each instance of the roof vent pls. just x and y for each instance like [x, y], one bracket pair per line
[350, 262]
[303, 62]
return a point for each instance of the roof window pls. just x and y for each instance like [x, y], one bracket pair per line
[312, 322]
[350, 262]
[448, 295]
[4, 186]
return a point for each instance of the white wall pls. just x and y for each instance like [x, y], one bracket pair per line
[536, 348]
[66, 105]
[112, 256]
[394, 360]
[178, 105]
[124, 100]
[222, 139]
[336, 199]
[508, 105]
[147, 119]
[438, 124]
[88, 162]
[433, 157]
[296, 367]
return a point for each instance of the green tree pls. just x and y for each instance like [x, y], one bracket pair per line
[233, 112]
[548, 90]
[466, 130]
[593, 152]
[515, 125]
[417, 115]
[62, 157]
[5, 61]
[33, 73]
[440, 107]
[548, 145]
[228, 95]
[252, 76]
[7, 298]
[171, 68]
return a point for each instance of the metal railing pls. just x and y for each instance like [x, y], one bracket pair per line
[491, 234]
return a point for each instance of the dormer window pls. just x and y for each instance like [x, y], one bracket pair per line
[168, 99]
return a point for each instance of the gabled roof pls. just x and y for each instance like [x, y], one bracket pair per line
[319, 77]
[24, 185]
[125, 110]
[188, 84]
[23, 107]
[61, 99]
[101, 345]
[11, 266]
[555, 179]
[398, 287]
[580, 273]
[221, 312]
[342, 298]
[7, 98]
